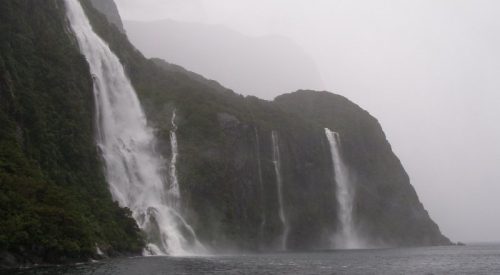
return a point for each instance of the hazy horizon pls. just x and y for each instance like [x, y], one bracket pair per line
[427, 70]
[260, 66]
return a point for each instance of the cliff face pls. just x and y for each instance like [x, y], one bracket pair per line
[224, 138]
[387, 208]
[54, 199]
[54, 202]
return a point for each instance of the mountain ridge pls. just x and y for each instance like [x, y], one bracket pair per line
[234, 59]
[224, 140]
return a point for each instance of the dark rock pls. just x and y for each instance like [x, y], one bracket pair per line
[8, 260]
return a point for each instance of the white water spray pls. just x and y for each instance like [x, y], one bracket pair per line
[174, 191]
[134, 170]
[279, 185]
[347, 236]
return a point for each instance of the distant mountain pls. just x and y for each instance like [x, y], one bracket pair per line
[110, 10]
[262, 66]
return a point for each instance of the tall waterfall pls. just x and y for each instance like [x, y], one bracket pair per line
[346, 237]
[173, 191]
[134, 170]
[279, 185]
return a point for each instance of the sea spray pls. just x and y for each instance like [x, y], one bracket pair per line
[133, 169]
[346, 237]
[279, 186]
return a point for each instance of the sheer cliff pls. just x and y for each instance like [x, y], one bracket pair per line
[225, 139]
[55, 202]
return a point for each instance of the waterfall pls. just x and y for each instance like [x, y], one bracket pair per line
[346, 237]
[133, 169]
[279, 185]
[261, 186]
[174, 191]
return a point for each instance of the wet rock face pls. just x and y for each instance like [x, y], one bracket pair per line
[224, 138]
[227, 177]
[236, 199]
[387, 209]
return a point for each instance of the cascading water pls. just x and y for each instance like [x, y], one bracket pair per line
[173, 190]
[134, 170]
[346, 237]
[279, 185]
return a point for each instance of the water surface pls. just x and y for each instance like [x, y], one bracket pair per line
[474, 259]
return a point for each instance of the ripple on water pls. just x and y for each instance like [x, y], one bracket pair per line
[474, 259]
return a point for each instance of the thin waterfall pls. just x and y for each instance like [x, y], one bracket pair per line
[261, 185]
[346, 237]
[133, 169]
[279, 185]
[173, 190]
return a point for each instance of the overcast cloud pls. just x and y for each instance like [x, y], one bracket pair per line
[429, 70]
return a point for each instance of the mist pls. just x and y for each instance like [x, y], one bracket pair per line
[428, 70]
[260, 66]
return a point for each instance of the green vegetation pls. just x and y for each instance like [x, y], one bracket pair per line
[54, 201]
[387, 207]
[218, 164]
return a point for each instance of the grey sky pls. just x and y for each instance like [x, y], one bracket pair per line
[429, 70]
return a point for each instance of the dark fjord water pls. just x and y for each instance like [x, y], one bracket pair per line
[474, 259]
